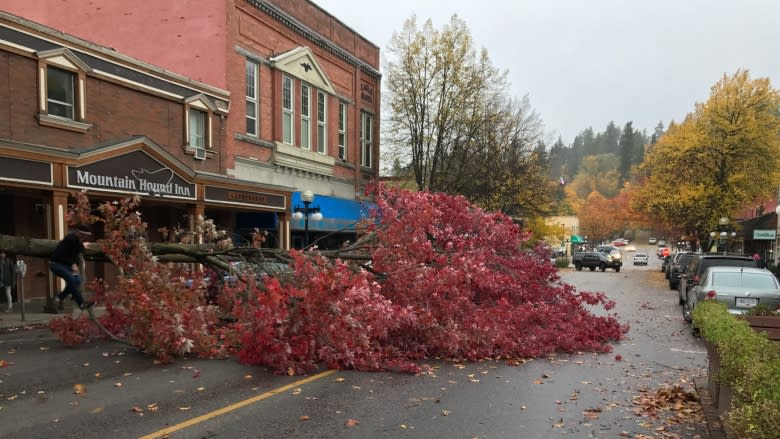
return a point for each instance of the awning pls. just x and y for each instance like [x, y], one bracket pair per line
[577, 239]
[338, 214]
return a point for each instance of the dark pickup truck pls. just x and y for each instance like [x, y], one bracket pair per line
[594, 260]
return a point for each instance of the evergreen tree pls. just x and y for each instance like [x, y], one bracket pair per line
[626, 151]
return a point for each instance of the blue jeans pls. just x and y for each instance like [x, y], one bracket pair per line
[71, 279]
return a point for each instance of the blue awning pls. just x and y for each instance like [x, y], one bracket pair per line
[338, 214]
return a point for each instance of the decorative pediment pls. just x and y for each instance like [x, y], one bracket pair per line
[202, 102]
[64, 58]
[302, 64]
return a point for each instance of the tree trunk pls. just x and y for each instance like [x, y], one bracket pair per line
[169, 252]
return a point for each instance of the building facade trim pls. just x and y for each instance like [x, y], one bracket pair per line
[302, 64]
[309, 34]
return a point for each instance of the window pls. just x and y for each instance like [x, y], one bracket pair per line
[60, 92]
[305, 117]
[366, 127]
[342, 131]
[322, 132]
[251, 98]
[287, 110]
[197, 129]
[62, 96]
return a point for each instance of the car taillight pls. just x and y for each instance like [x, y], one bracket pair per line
[710, 295]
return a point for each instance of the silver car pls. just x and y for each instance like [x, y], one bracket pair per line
[739, 288]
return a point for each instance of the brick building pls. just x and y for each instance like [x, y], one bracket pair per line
[304, 91]
[78, 116]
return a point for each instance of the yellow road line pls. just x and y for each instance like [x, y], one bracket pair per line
[236, 406]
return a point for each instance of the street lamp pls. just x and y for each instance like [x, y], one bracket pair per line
[304, 212]
[722, 240]
[777, 233]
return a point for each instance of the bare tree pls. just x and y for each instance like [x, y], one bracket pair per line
[453, 122]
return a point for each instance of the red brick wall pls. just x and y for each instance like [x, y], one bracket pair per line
[184, 36]
[115, 112]
[333, 29]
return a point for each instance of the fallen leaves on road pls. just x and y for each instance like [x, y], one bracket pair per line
[352, 422]
[671, 405]
[592, 414]
[304, 418]
[79, 389]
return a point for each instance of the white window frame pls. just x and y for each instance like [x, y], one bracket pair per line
[366, 138]
[197, 130]
[288, 110]
[322, 122]
[252, 101]
[75, 106]
[342, 131]
[305, 116]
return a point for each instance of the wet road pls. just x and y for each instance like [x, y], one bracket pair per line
[101, 390]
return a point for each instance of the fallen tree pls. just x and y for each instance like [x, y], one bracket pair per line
[442, 279]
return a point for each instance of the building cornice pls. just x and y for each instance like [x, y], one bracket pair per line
[314, 37]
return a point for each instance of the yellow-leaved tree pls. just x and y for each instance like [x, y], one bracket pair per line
[722, 157]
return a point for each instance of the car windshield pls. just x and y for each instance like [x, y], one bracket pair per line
[743, 280]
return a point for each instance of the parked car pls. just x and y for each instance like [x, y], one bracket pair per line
[739, 288]
[677, 267]
[651, 241]
[640, 258]
[619, 242]
[692, 274]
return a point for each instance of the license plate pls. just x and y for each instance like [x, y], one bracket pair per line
[746, 302]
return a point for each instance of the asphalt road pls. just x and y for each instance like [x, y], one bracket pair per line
[108, 390]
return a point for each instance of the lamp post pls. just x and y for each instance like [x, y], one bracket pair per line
[307, 197]
[563, 239]
[721, 240]
[777, 233]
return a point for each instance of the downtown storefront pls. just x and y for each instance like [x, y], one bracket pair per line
[37, 183]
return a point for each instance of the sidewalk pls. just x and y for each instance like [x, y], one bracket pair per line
[34, 315]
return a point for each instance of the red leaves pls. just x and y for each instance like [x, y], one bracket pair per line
[455, 283]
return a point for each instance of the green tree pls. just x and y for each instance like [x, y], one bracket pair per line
[626, 151]
[598, 173]
[724, 156]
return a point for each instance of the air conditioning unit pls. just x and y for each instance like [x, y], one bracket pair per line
[200, 153]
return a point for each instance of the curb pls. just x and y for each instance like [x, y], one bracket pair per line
[714, 424]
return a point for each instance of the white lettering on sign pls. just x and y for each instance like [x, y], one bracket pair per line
[111, 181]
[157, 182]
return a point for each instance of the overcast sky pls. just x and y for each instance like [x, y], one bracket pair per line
[587, 62]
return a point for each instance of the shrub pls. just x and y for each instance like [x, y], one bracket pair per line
[750, 365]
[562, 262]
